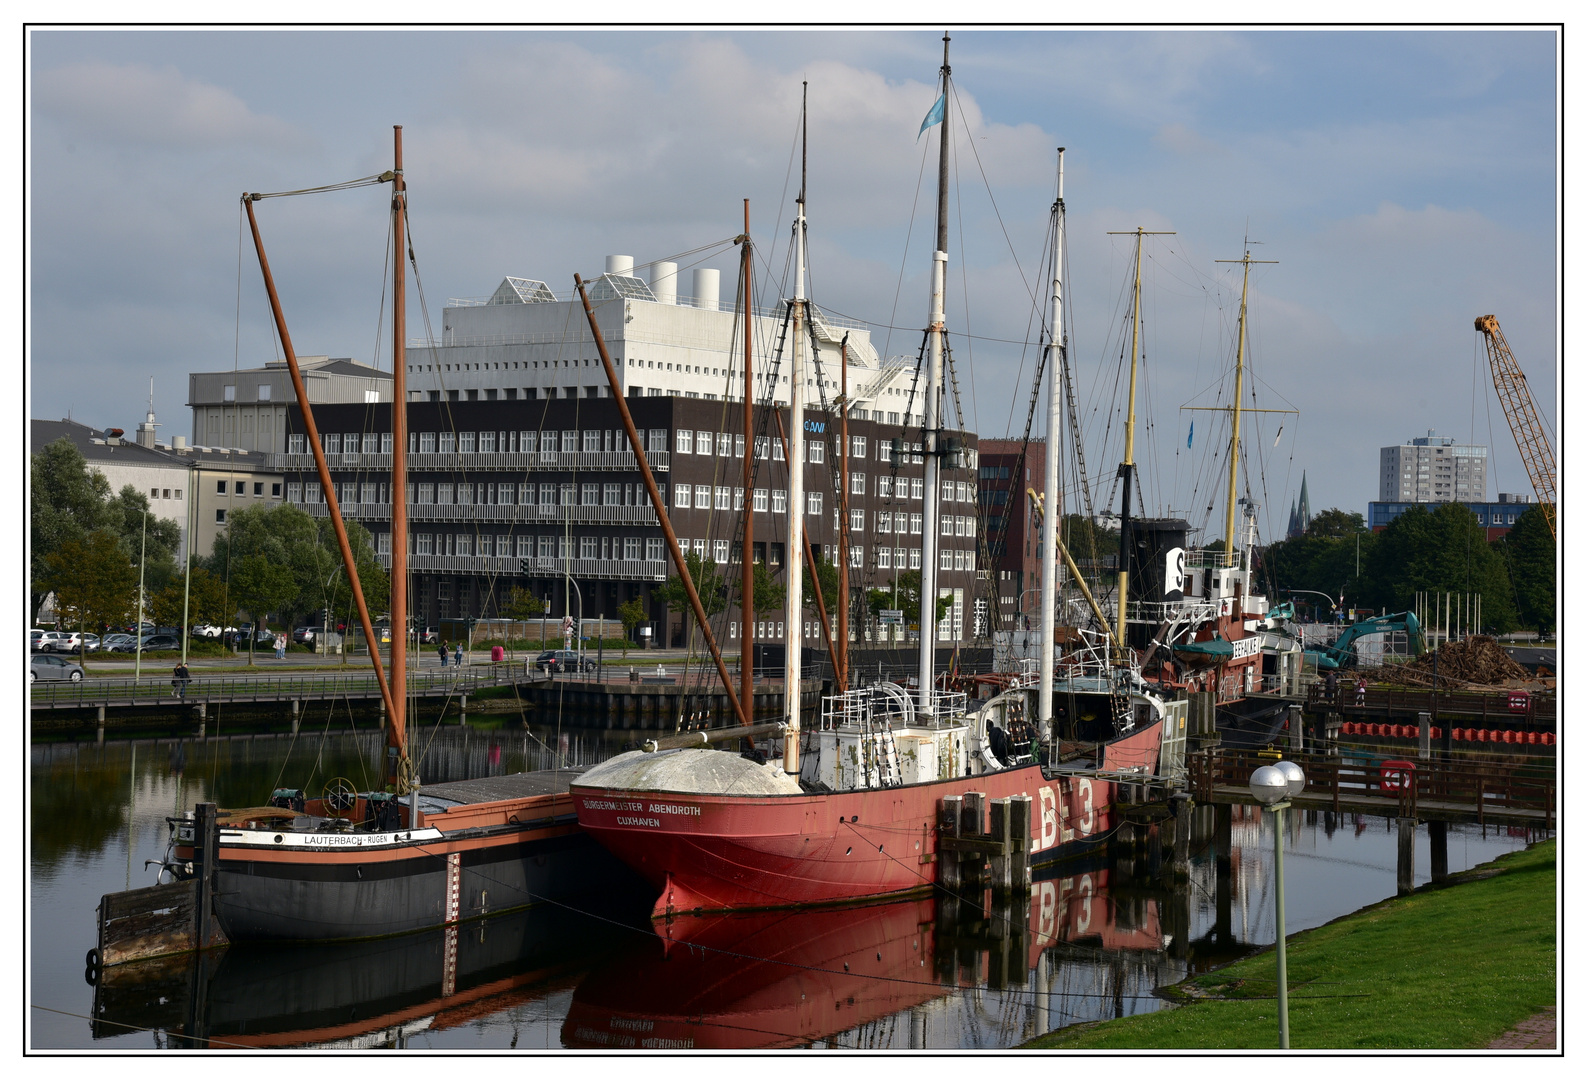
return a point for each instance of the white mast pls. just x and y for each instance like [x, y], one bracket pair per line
[796, 500]
[931, 418]
[1052, 500]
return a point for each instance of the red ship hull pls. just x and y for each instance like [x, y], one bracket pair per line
[722, 852]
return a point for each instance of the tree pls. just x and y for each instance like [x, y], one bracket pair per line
[1323, 559]
[632, 614]
[149, 540]
[523, 604]
[1528, 551]
[905, 597]
[307, 548]
[66, 503]
[827, 575]
[1089, 544]
[707, 583]
[262, 586]
[206, 601]
[94, 582]
[770, 594]
[1440, 550]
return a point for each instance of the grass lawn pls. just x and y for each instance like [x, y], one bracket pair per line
[1444, 968]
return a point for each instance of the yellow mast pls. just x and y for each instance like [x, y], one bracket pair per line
[1234, 427]
[1128, 468]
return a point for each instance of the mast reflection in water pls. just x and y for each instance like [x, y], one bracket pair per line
[938, 973]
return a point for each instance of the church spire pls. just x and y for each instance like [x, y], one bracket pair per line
[1303, 511]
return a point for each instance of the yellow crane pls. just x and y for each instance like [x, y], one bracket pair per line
[1536, 453]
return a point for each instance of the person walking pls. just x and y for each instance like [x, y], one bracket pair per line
[457, 656]
[180, 677]
[1331, 685]
[1361, 691]
[441, 649]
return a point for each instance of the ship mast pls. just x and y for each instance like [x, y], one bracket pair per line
[746, 664]
[794, 649]
[930, 420]
[1235, 409]
[1053, 502]
[401, 775]
[1127, 469]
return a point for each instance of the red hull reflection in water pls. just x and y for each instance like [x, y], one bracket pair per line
[768, 980]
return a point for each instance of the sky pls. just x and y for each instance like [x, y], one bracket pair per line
[1402, 183]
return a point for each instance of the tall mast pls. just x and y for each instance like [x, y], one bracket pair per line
[935, 328]
[1127, 469]
[1234, 422]
[1051, 481]
[794, 641]
[401, 768]
[746, 607]
[841, 651]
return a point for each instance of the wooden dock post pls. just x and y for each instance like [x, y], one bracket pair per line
[206, 852]
[1297, 730]
[101, 737]
[1020, 813]
[1181, 862]
[950, 812]
[1438, 845]
[1424, 736]
[1405, 871]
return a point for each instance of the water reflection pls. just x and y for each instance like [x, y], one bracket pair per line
[1093, 942]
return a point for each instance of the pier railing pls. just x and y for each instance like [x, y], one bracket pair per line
[1492, 707]
[158, 690]
[1451, 791]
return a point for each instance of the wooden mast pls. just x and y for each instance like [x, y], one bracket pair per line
[931, 415]
[1234, 424]
[312, 434]
[841, 653]
[746, 606]
[401, 773]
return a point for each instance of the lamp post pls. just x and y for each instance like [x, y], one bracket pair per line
[1274, 785]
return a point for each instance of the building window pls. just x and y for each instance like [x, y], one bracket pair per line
[762, 446]
[565, 494]
[683, 494]
[465, 544]
[465, 442]
[424, 544]
[857, 557]
[857, 483]
[884, 558]
[917, 488]
[779, 501]
[699, 549]
[589, 494]
[776, 450]
[275, 491]
[738, 446]
[884, 522]
[611, 495]
[447, 443]
[815, 452]
[220, 517]
[653, 549]
[723, 494]
[719, 550]
[857, 446]
[685, 441]
[258, 490]
[702, 442]
[702, 496]
[294, 493]
[856, 520]
[295, 444]
[759, 502]
[914, 558]
[228, 393]
[813, 502]
[884, 487]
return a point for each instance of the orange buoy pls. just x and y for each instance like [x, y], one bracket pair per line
[1548, 738]
[1531, 738]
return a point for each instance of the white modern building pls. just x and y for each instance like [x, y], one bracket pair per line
[1432, 469]
[523, 342]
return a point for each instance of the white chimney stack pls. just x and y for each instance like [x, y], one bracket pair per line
[620, 264]
[664, 282]
[707, 289]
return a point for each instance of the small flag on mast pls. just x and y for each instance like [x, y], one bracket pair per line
[1192, 436]
[934, 116]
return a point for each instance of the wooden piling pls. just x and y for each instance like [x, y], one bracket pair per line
[1438, 846]
[950, 812]
[1405, 871]
[1424, 736]
[1180, 866]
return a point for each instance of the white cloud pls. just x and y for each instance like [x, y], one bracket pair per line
[137, 105]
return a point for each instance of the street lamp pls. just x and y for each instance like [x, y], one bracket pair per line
[1274, 785]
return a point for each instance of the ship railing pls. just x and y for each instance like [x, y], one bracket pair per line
[1211, 560]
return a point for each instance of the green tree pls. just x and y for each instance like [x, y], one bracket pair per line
[769, 593]
[206, 601]
[94, 582]
[1528, 550]
[523, 604]
[707, 582]
[631, 614]
[307, 548]
[905, 597]
[261, 586]
[1089, 544]
[827, 575]
[1323, 559]
[1440, 550]
[66, 503]
[146, 537]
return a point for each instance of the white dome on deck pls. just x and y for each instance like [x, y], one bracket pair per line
[696, 771]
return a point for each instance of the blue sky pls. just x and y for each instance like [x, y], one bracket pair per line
[1405, 181]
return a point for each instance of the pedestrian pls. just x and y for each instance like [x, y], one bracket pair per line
[1331, 685]
[1361, 691]
[457, 656]
[442, 650]
[179, 680]
[281, 647]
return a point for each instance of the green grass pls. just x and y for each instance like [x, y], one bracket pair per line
[1444, 968]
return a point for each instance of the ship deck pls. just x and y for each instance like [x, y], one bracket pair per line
[488, 789]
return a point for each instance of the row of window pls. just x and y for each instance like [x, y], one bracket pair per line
[239, 487]
[588, 440]
[503, 546]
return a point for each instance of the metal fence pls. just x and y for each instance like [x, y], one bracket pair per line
[152, 690]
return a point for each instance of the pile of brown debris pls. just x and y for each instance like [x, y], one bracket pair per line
[1474, 661]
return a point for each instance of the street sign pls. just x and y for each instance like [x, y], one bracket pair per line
[891, 618]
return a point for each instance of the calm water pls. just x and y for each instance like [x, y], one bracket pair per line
[1092, 943]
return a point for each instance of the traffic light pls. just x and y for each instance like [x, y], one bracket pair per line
[523, 567]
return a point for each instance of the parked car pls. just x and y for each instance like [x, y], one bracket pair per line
[36, 639]
[206, 630]
[429, 636]
[110, 642]
[53, 667]
[304, 635]
[560, 660]
[67, 642]
[157, 642]
[90, 642]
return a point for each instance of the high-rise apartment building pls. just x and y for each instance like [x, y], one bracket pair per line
[1431, 469]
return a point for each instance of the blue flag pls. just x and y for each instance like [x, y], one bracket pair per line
[1192, 436]
[934, 116]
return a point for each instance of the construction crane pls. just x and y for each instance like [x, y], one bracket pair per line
[1536, 453]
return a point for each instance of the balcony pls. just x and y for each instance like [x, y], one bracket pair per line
[491, 565]
[547, 460]
[505, 513]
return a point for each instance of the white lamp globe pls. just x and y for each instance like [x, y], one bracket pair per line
[1293, 776]
[1269, 785]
